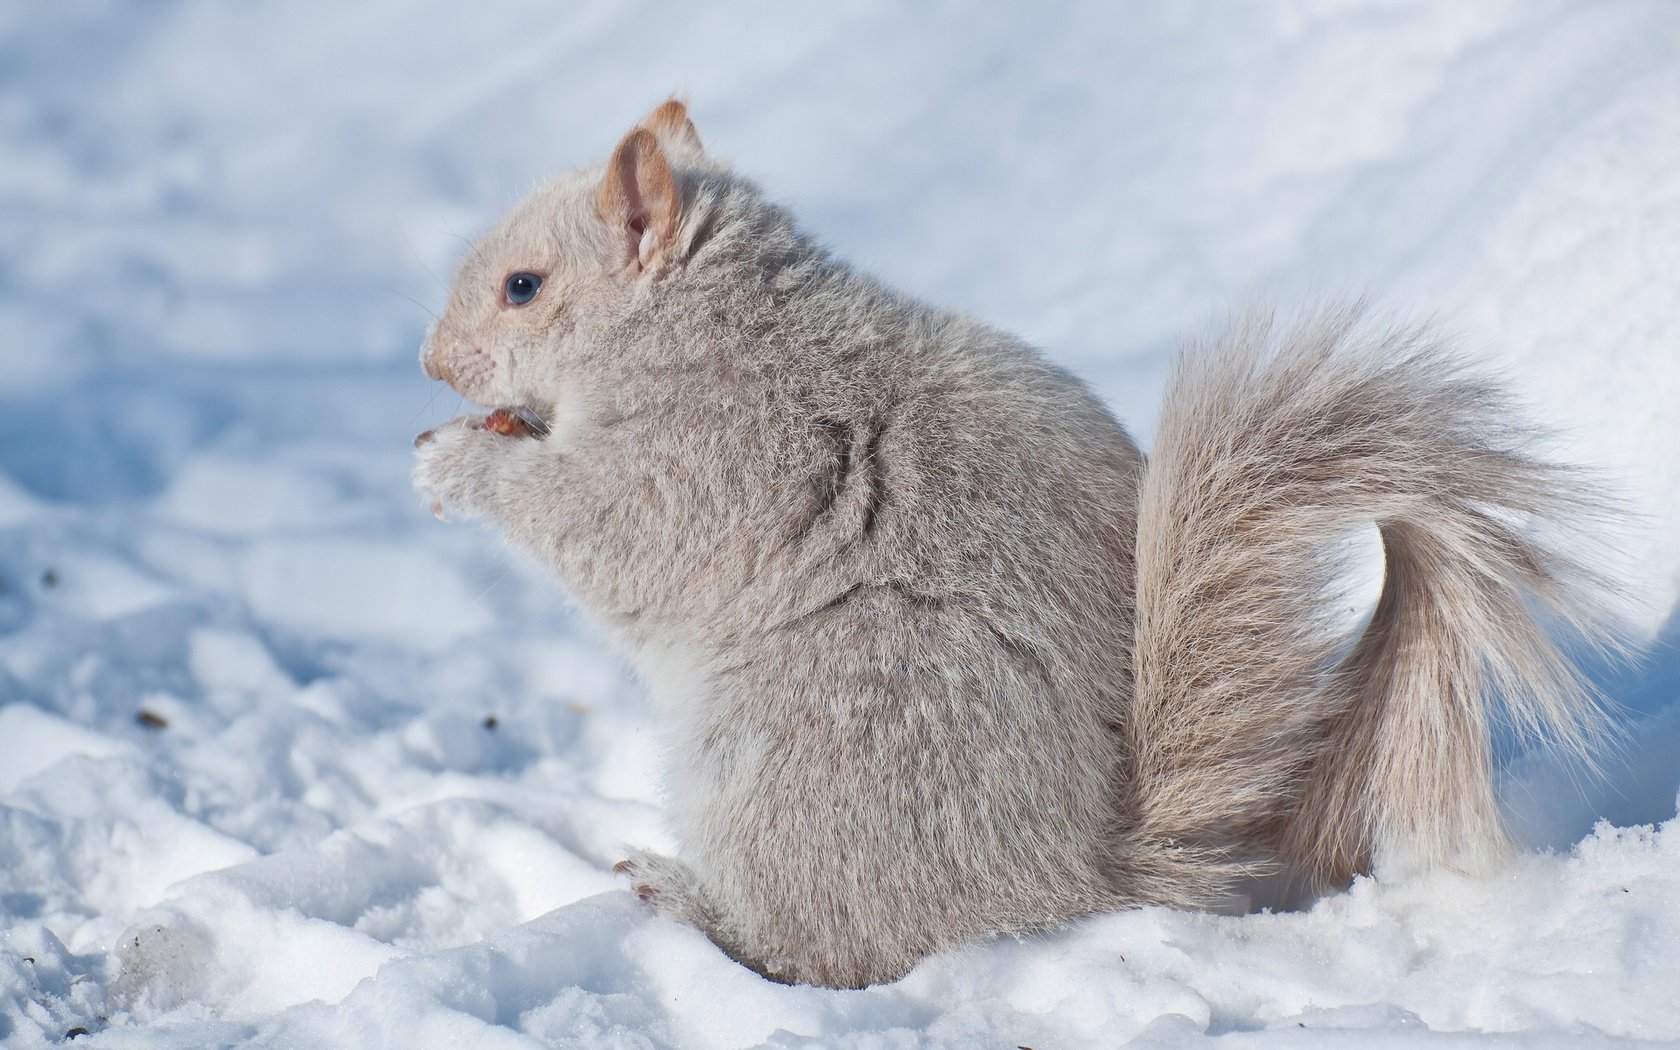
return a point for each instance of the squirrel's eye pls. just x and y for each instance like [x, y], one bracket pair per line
[522, 288]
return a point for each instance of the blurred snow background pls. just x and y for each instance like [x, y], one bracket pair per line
[285, 762]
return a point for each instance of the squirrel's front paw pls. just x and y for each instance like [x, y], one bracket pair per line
[453, 466]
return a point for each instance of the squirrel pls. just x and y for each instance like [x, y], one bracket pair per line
[941, 655]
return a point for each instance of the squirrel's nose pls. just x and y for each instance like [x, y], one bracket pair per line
[432, 361]
[428, 352]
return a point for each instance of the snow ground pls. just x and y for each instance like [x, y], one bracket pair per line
[385, 771]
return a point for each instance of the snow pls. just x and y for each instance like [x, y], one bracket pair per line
[284, 761]
[32, 740]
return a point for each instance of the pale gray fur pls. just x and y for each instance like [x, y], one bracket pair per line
[928, 673]
[1273, 445]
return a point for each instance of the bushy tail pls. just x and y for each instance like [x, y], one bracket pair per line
[1255, 725]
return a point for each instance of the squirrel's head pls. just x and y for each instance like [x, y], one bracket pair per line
[577, 251]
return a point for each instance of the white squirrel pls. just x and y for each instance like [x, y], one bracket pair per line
[939, 653]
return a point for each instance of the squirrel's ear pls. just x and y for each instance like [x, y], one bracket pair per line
[639, 198]
[670, 124]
